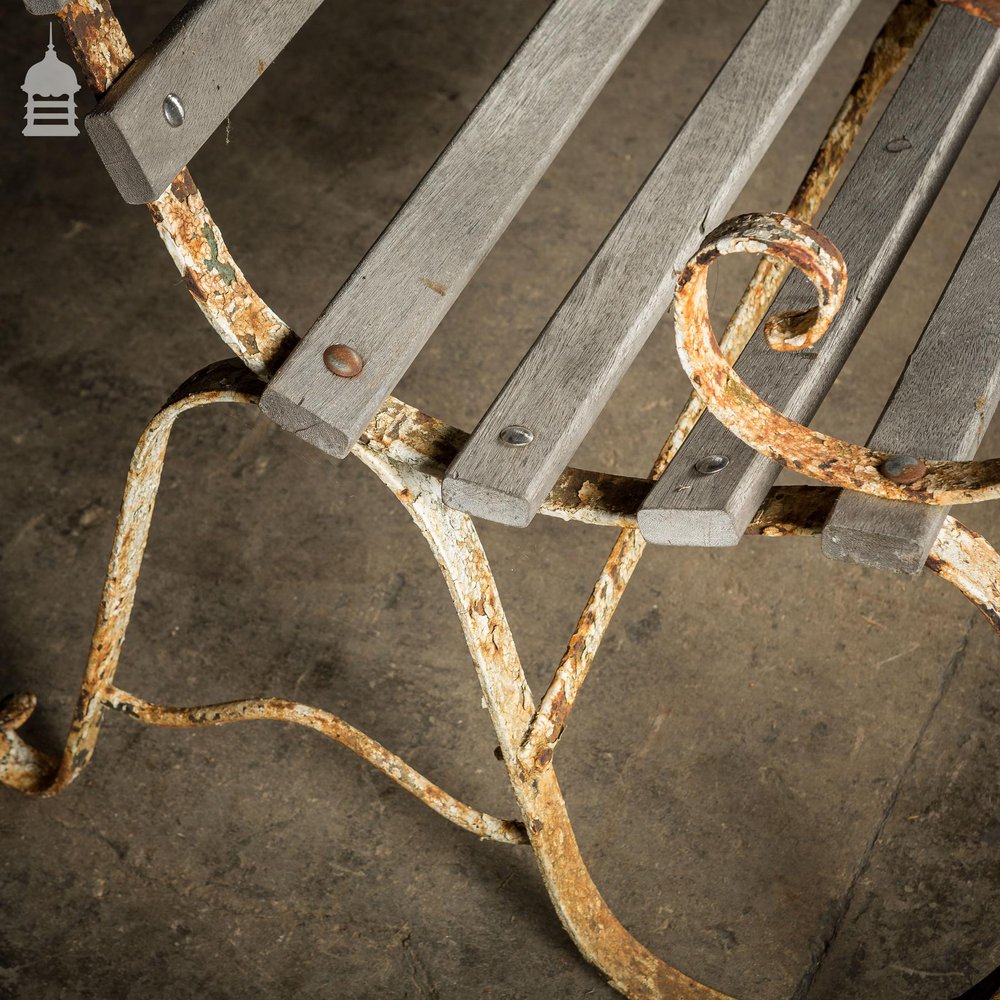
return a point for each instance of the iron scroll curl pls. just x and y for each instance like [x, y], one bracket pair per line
[770, 432]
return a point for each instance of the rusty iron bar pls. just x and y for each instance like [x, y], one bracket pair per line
[414, 475]
[246, 324]
[97, 41]
[967, 561]
[483, 825]
[411, 438]
[887, 54]
[960, 556]
[243, 320]
[37, 774]
[765, 429]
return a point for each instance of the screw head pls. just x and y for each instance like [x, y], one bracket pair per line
[903, 469]
[516, 436]
[343, 361]
[173, 110]
[711, 464]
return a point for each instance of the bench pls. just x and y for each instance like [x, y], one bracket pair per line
[885, 505]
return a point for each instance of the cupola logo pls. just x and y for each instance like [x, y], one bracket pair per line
[51, 85]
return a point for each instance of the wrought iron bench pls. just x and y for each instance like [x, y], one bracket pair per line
[714, 480]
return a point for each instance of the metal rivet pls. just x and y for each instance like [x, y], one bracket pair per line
[516, 436]
[903, 469]
[343, 360]
[898, 145]
[173, 110]
[711, 464]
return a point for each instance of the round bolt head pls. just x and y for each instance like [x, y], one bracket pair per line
[711, 464]
[903, 469]
[343, 361]
[516, 436]
[173, 110]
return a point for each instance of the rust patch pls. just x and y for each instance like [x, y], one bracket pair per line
[901, 469]
[183, 186]
[793, 510]
[97, 41]
[216, 282]
[193, 286]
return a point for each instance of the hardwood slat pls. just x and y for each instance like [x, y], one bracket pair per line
[873, 220]
[44, 6]
[413, 274]
[940, 409]
[209, 56]
[564, 381]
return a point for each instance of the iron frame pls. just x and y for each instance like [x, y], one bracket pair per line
[409, 451]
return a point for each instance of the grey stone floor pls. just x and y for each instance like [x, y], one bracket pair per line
[782, 770]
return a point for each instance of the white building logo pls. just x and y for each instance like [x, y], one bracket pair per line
[50, 86]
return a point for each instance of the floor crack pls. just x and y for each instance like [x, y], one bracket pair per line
[843, 906]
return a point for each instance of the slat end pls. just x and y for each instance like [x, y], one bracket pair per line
[890, 553]
[705, 528]
[303, 424]
[44, 6]
[487, 502]
[132, 181]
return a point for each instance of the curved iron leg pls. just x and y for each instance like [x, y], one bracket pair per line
[32, 772]
[602, 939]
[960, 556]
[21, 766]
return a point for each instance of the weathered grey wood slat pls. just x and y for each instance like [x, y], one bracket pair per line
[413, 274]
[209, 56]
[873, 219]
[44, 6]
[566, 378]
[940, 409]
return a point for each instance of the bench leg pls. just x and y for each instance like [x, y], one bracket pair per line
[596, 931]
[35, 773]
[960, 556]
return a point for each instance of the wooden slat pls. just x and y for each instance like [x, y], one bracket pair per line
[412, 276]
[44, 6]
[570, 372]
[940, 409]
[873, 219]
[209, 56]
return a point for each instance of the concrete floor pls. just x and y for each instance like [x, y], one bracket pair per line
[782, 770]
